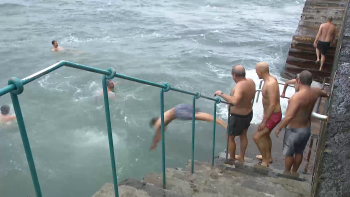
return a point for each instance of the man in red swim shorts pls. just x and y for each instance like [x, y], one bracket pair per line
[272, 113]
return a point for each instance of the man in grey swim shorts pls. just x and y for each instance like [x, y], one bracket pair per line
[298, 120]
[180, 112]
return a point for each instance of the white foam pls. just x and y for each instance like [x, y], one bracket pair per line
[92, 137]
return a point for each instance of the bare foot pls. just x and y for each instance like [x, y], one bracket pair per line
[239, 158]
[230, 161]
[265, 164]
[259, 157]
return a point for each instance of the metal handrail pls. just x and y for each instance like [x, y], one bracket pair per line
[16, 86]
[315, 113]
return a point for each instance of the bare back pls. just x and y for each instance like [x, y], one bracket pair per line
[327, 32]
[271, 94]
[306, 100]
[247, 89]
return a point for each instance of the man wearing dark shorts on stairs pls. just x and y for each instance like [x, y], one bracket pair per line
[241, 97]
[181, 112]
[272, 113]
[323, 40]
[298, 120]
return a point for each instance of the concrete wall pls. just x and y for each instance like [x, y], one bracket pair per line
[332, 172]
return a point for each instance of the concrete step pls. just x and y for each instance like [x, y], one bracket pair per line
[201, 186]
[308, 64]
[217, 181]
[135, 188]
[308, 55]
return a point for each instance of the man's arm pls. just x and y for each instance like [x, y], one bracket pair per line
[292, 109]
[323, 93]
[292, 81]
[272, 94]
[234, 99]
[318, 36]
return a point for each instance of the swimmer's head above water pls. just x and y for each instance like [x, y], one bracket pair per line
[110, 85]
[5, 110]
[55, 46]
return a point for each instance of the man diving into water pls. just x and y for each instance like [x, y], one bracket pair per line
[181, 112]
[56, 47]
[242, 95]
[298, 120]
[272, 113]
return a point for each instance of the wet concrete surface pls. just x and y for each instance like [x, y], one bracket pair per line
[277, 147]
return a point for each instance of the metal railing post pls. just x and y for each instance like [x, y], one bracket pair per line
[228, 126]
[109, 131]
[193, 128]
[260, 85]
[167, 88]
[214, 130]
[193, 131]
[23, 132]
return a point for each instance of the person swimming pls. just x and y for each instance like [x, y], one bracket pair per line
[180, 112]
[5, 116]
[56, 47]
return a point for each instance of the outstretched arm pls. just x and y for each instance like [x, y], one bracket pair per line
[236, 97]
[323, 93]
[292, 81]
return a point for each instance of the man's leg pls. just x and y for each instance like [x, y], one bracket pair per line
[209, 118]
[243, 140]
[232, 146]
[261, 143]
[297, 161]
[318, 54]
[323, 58]
[289, 161]
[269, 149]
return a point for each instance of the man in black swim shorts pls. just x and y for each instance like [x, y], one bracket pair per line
[323, 40]
[241, 97]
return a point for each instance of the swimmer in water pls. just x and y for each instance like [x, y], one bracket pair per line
[181, 112]
[4, 116]
[56, 47]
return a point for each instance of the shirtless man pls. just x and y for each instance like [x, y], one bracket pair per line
[323, 40]
[298, 120]
[241, 97]
[292, 81]
[4, 116]
[181, 112]
[56, 47]
[272, 113]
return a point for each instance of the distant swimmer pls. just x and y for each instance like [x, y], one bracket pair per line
[242, 95]
[323, 40]
[110, 87]
[56, 47]
[272, 113]
[180, 112]
[298, 120]
[5, 116]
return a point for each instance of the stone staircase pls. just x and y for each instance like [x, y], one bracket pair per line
[302, 55]
[241, 179]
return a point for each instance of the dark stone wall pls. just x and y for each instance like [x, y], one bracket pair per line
[332, 174]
